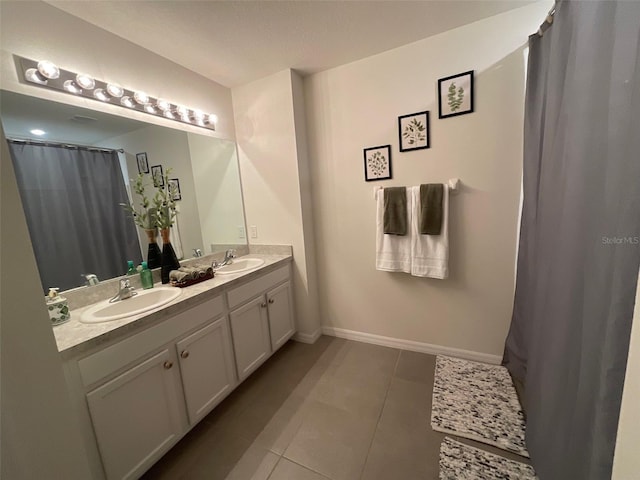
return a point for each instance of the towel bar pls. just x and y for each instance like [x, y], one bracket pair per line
[452, 183]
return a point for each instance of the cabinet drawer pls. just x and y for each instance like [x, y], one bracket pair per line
[255, 287]
[119, 355]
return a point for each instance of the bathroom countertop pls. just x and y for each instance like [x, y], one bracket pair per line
[74, 337]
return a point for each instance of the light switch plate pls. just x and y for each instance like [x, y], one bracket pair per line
[241, 232]
[254, 231]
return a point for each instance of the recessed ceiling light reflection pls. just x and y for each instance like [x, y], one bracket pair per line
[37, 131]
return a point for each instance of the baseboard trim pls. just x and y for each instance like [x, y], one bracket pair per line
[307, 337]
[411, 345]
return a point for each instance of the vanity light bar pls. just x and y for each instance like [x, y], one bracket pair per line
[46, 74]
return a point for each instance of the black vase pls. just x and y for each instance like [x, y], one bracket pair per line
[154, 256]
[169, 259]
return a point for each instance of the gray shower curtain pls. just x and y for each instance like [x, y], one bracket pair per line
[71, 199]
[579, 249]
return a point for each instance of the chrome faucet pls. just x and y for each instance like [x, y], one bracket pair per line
[197, 252]
[125, 290]
[229, 255]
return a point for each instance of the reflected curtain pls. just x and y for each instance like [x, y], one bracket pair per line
[579, 249]
[71, 199]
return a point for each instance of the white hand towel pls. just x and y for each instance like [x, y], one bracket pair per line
[393, 252]
[429, 253]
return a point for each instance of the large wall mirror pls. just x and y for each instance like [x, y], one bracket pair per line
[210, 210]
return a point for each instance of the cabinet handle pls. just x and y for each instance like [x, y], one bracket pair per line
[184, 354]
[168, 365]
[263, 305]
[271, 300]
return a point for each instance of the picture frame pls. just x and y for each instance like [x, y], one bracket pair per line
[174, 189]
[414, 131]
[455, 95]
[157, 175]
[143, 163]
[377, 163]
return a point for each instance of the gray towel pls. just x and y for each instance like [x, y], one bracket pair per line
[431, 208]
[395, 211]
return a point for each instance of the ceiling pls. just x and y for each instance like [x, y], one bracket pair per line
[61, 122]
[236, 42]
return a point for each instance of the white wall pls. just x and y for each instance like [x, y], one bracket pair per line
[270, 172]
[626, 462]
[216, 178]
[356, 106]
[169, 148]
[39, 31]
[40, 436]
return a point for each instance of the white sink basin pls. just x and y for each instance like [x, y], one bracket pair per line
[144, 301]
[240, 265]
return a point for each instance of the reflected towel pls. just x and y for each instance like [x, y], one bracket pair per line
[431, 208]
[429, 253]
[393, 252]
[395, 211]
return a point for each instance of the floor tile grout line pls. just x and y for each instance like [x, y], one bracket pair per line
[384, 402]
[304, 466]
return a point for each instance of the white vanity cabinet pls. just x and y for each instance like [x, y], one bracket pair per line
[206, 364]
[148, 390]
[137, 416]
[261, 319]
[140, 394]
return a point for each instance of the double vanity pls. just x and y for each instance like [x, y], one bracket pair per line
[141, 381]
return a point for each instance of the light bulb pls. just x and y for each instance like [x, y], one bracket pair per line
[127, 101]
[115, 90]
[185, 118]
[101, 95]
[85, 81]
[71, 87]
[182, 111]
[37, 131]
[169, 114]
[213, 118]
[48, 69]
[149, 109]
[163, 105]
[141, 97]
[34, 76]
[198, 115]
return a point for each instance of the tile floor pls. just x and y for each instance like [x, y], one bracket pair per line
[337, 410]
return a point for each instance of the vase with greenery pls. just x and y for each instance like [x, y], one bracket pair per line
[145, 217]
[165, 207]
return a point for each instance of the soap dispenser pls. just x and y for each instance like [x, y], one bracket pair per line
[131, 268]
[58, 307]
[146, 276]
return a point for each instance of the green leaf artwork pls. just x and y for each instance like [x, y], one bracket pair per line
[377, 164]
[414, 132]
[455, 102]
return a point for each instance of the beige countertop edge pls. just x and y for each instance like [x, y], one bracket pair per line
[74, 338]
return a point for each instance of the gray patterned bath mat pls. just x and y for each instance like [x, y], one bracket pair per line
[477, 401]
[463, 462]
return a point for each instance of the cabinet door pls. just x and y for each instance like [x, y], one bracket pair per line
[136, 416]
[250, 331]
[206, 364]
[280, 315]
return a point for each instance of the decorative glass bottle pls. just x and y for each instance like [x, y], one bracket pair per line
[169, 259]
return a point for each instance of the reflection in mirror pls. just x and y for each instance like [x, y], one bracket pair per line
[210, 210]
